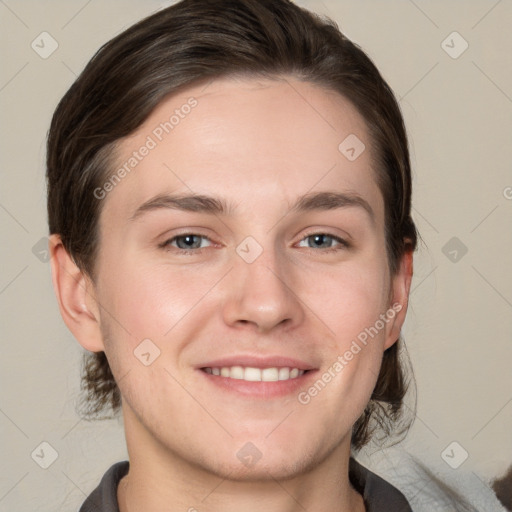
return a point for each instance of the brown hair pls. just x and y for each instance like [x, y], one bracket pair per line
[195, 41]
[503, 489]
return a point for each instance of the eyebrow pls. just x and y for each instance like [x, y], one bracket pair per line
[332, 201]
[216, 206]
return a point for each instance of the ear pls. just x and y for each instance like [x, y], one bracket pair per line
[76, 297]
[399, 297]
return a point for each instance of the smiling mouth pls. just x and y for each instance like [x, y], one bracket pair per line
[251, 374]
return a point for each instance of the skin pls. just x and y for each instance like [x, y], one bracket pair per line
[259, 145]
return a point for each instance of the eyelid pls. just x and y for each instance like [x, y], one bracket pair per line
[344, 242]
[187, 232]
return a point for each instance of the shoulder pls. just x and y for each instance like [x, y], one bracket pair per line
[104, 497]
[430, 484]
[376, 491]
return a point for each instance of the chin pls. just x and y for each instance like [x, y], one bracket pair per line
[263, 470]
[262, 461]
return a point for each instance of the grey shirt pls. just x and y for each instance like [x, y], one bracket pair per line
[379, 495]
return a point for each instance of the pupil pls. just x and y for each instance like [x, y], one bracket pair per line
[189, 241]
[319, 239]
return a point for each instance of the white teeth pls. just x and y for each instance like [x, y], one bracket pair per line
[270, 374]
[236, 372]
[252, 374]
[256, 374]
[284, 373]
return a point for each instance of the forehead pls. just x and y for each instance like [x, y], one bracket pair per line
[250, 141]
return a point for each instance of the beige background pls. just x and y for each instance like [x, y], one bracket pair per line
[459, 117]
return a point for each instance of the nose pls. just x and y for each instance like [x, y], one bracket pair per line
[262, 295]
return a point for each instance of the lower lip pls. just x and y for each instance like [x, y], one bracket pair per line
[260, 389]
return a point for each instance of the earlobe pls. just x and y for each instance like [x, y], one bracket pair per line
[401, 285]
[75, 296]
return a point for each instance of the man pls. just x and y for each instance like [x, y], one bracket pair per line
[229, 201]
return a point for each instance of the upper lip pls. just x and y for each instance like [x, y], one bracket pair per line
[257, 362]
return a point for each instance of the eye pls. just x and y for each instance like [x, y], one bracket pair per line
[191, 242]
[187, 242]
[323, 241]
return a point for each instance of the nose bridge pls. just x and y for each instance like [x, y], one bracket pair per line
[261, 288]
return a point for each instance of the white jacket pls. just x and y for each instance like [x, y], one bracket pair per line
[432, 489]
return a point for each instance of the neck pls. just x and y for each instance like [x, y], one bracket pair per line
[160, 480]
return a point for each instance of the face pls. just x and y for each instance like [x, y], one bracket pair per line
[247, 249]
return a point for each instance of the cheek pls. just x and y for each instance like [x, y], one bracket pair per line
[148, 309]
[150, 301]
[348, 299]
[351, 301]
[154, 302]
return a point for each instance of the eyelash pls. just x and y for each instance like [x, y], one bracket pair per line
[343, 244]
